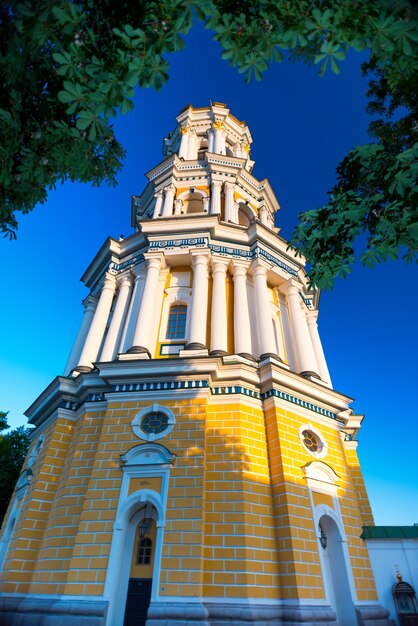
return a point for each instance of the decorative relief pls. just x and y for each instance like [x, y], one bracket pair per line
[218, 125]
[118, 267]
[307, 301]
[307, 405]
[227, 250]
[170, 385]
[174, 243]
[275, 261]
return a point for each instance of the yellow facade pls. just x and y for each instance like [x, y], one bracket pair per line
[239, 515]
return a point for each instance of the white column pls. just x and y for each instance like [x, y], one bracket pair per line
[229, 202]
[199, 310]
[114, 332]
[98, 325]
[158, 204]
[303, 343]
[141, 338]
[192, 147]
[131, 318]
[211, 139]
[169, 192]
[219, 328]
[89, 308]
[263, 215]
[242, 326]
[178, 205]
[241, 152]
[263, 312]
[235, 213]
[317, 346]
[184, 142]
[215, 204]
[236, 149]
[219, 138]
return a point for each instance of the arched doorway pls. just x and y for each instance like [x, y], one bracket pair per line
[146, 469]
[142, 567]
[335, 572]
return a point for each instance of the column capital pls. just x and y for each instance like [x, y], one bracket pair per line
[137, 272]
[126, 279]
[312, 317]
[170, 187]
[90, 303]
[291, 287]
[219, 264]
[155, 260]
[258, 268]
[158, 194]
[216, 183]
[229, 185]
[109, 281]
[239, 268]
[200, 257]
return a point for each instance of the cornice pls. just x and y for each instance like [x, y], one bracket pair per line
[227, 377]
[66, 393]
[308, 390]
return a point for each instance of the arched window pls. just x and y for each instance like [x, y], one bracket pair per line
[144, 551]
[176, 326]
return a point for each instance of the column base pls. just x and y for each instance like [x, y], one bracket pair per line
[373, 615]
[81, 369]
[308, 374]
[187, 354]
[195, 345]
[218, 353]
[248, 356]
[238, 614]
[271, 355]
[139, 350]
[18, 611]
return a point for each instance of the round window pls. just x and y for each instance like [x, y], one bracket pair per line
[310, 440]
[154, 423]
[313, 441]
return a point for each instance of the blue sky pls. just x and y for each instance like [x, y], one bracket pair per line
[302, 126]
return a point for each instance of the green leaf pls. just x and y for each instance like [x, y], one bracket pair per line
[334, 66]
[61, 15]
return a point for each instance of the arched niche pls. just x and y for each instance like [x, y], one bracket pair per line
[245, 214]
[202, 150]
[194, 201]
[335, 565]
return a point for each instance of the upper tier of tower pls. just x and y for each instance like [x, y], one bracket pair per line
[207, 169]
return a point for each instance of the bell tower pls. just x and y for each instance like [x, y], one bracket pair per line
[194, 463]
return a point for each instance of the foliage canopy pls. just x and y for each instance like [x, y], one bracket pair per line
[13, 448]
[67, 68]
